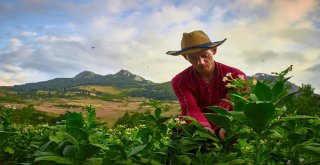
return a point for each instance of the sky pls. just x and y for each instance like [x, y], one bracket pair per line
[45, 39]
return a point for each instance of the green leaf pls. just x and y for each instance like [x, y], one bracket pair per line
[230, 157]
[238, 98]
[161, 120]
[9, 150]
[278, 89]
[4, 136]
[86, 151]
[184, 159]
[311, 148]
[136, 149]
[260, 114]
[187, 144]
[239, 116]
[94, 140]
[206, 135]
[263, 92]
[69, 151]
[157, 112]
[144, 134]
[115, 152]
[220, 120]
[74, 119]
[57, 159]
[58, 137]
[281, 101]
[219, 110]
[78, 133]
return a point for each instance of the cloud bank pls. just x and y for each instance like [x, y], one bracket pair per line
[42, 40]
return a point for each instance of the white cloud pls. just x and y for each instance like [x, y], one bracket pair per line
[14, 44]
[27, 33]
[263, 36]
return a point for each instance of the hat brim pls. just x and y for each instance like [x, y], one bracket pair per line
[196, 48]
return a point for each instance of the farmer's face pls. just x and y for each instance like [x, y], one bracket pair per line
[202, 61]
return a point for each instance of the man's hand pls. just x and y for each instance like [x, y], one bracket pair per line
[221, 132]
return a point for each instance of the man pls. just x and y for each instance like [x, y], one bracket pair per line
[201, 85]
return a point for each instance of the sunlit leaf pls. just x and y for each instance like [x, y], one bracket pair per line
[263, 92]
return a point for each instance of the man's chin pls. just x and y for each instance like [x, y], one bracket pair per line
[204, 69]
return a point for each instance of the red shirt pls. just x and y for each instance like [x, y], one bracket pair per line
[195, 95]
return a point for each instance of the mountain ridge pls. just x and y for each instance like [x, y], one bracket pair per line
[122, 79]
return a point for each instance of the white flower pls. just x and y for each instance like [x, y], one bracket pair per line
[224, 79]
[183, 122]
[241, 76]
[229, 74]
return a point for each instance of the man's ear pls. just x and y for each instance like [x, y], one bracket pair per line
[214, 50]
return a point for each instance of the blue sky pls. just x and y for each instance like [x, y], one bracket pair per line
[45, 39]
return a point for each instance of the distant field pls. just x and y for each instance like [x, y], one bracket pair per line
[103, 89]
[109, 111]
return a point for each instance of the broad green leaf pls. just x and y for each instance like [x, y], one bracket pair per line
[278, 89]
[4, 136]
[69, 138]
[155, 162]
[220, 120]
[314, 148]
[69, 151]
[94, 140]
[230, 157]
[273, 134]
[157, 112]
[263, 92]
[162, 120]
[115, 152]
[309, 148]
[206, 135]
[281, 101]
[58, 137]
[219, 110]
[77, 133]
[184, 159]
[253, 97]
[260, 114]
[86, 151]
[144, 134]
[136, 149]
[57, 159]
[239, 116]
[187, 144]
[74, 119]
[9, 150]
[238, 98]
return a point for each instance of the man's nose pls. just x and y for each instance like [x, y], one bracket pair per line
[201, 60]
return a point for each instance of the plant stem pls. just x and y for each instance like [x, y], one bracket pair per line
[257, 157]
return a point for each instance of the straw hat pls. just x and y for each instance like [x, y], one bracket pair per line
[194, 42]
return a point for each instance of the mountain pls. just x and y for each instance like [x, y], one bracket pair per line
[124, 79]
[270, 78]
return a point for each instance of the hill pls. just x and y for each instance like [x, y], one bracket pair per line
[118, 85]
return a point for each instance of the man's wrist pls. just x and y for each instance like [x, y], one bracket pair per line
[217, 130]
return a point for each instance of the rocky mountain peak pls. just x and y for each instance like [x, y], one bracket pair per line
[123, 72]
[85, 74]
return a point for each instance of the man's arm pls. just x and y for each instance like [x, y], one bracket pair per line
[188, 102]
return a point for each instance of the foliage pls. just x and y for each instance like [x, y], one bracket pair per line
[307, 103]
[261, 129]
